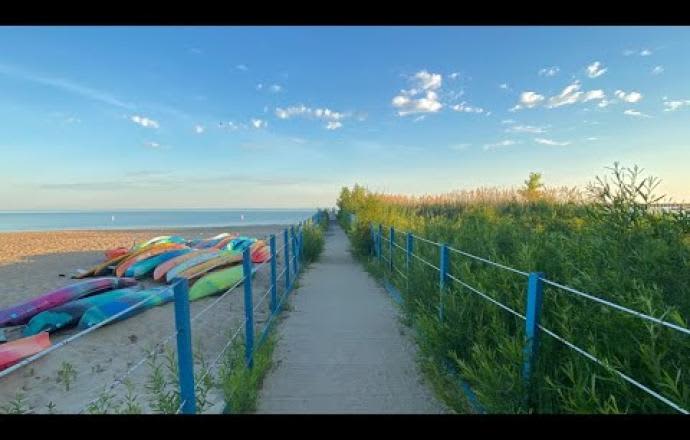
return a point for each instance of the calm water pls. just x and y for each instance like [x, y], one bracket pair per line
[45, 221]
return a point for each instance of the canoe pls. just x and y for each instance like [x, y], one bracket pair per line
[15, 351]
[68, 315]
[157, 249]
[215, 282]
[163, 268]
[154, 297]
[225, 258]
[144, 267]
[21, 313]
[198, 259]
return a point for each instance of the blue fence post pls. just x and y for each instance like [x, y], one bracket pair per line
[391, 237]
[378, 243]
[443, 277]
[301, 244]
[248, 308]
[287, 261]
[535, 289]
[274, 281]
[294, 250]
[408, 251]
[185, 358]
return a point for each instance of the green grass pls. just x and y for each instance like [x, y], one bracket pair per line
[241, 384]
[606, 240]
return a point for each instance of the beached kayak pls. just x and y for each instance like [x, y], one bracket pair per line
[215, 282]
[116, 252]
[163, 268]
[261, 252]
[68, 315]
[225, 258]
[144, 267]
[153, 297]
[157, 249]
[21, 313]
[15, 351]
[198, 259]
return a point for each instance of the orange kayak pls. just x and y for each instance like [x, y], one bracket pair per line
[119, 251]
[144, 254]
[225, 259]
[260, 252]
[164, 268]
[15, 351]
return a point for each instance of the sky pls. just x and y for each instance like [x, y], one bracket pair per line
[283, 117]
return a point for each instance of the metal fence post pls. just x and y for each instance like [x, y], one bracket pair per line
[301, 244]
[408, 251]
[274, 283]
[378, 243]
[443, 277]
[391, 236]
[185, 357]
[294, 250]
[248, 308]
[535, 289]
[287, 261]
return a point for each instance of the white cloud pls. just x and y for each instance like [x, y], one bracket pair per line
[594, 70]
[636, 113]
[550, 142]
[231, 125]
[198, 129]
[628, 52]
[594, 94]
[570, 95]
[528, 100]
[463, 107]
[259, 123]
[144, 122]
[326, 114]
[525, 129]
[259, 86]
[675, 105]
[631, 97]
[241, 67]
[504, 143]
[508, 121]
[454, 75]
[604, 103]
[658, 70]
[550, 71]
[645, 53]
[275, 88]
[504, 86]
[592, 138]
[419, 118]
[425, 83]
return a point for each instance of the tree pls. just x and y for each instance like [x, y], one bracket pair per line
[533, 187]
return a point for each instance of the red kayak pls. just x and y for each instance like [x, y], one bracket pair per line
[15, 351]
[117, 252]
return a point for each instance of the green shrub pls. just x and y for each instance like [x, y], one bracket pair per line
[314, 242]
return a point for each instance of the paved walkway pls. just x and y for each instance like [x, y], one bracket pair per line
[342, 348]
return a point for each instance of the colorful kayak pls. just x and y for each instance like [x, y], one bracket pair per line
[240, 243]
[215, 282]
[118, 251]
[198, 259]
[222, 243]
[163, 268]
[261, 253]
[68, 315]
[156, 249]
[15, 351]
[101, 268]
[21, 313]
[159, 240]
[144, 267]
[154, 297]
[225, 258]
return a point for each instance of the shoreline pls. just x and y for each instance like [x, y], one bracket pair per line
[147, 229]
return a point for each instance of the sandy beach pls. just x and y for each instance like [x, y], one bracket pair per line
[32, 263]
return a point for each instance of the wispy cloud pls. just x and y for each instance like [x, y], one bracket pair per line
[631, 97]
[144, 121]
[422, 97]
[550, 142]
[658, 70]
[503, 143]
[636, 114]
[198, 129]
[65, 85]
[572, 94]
[645, 53]
[155, 145]
[642, 53]
[595, 70]
[332, 118]
[333, 125]
[464, 107]
[273, 88]
[504, 86]
[673, 105]
[459, 147]
[528, 100]
[454, 75]
[549, 71]
[259, 123]
[241, 67]
[525, 129]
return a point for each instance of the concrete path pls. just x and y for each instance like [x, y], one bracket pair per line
[342, 348]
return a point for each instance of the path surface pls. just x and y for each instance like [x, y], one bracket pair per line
[342, 348]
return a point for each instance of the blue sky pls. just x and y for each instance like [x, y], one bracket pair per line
[211, 117]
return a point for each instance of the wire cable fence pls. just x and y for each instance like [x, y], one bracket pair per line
[288, 249]
[533, 310]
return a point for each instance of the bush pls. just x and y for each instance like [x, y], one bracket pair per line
[314, 242]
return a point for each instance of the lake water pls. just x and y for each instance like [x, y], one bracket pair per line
[47, 221]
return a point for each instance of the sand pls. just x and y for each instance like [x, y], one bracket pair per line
[32, 263]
